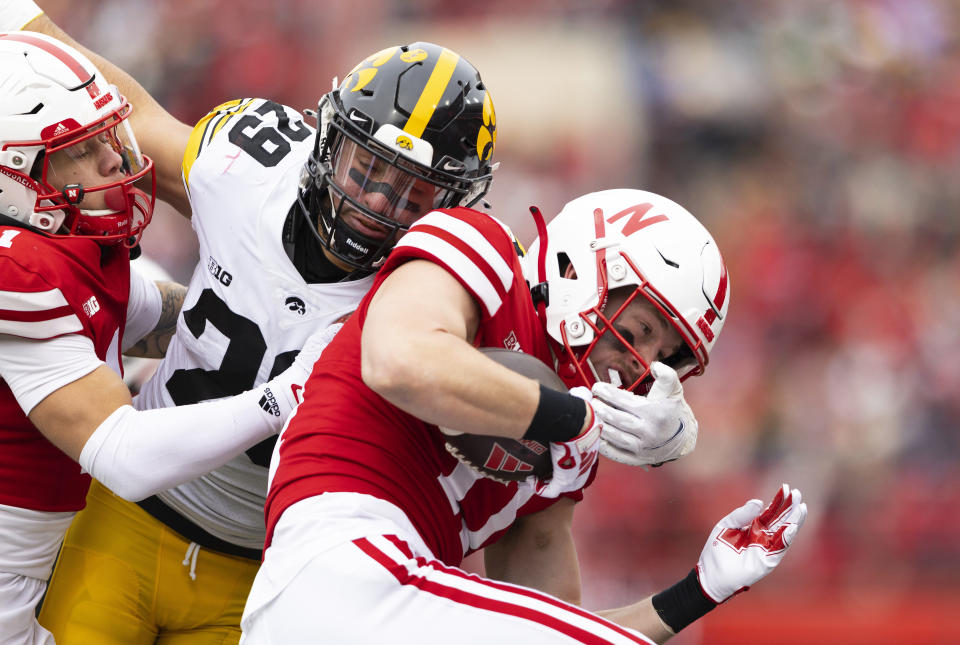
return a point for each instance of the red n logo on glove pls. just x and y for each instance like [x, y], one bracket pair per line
[759, 533]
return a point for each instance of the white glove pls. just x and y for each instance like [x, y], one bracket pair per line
[573, 460]
[748, 544]
[646, 430]
[282, 393]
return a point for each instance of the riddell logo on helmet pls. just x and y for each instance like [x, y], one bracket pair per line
[356, 245]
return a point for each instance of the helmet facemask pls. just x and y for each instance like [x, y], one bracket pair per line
[70, 202]
[376, 186]
[608, 335]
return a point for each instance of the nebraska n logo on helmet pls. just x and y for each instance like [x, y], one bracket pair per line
[410, 129]
[628, 238]
[54, 115]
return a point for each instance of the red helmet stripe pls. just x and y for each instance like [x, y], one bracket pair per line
[722, 287]
[72, 63]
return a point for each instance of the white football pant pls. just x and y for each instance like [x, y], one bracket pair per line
[326, 578]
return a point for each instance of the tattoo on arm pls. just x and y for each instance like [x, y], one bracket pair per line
[154, 344]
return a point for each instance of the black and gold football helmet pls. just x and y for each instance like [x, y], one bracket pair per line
[411, 129]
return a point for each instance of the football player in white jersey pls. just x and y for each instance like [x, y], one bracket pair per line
[75, 196]
[291, 227]
[292, 224]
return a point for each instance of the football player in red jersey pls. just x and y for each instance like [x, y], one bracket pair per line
[75, 197]
[410, 129]
[369, 515]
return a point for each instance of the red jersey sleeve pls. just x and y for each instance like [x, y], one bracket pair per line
[30, 307]
[478, 250]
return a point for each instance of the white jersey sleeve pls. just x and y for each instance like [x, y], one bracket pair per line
[34, 369]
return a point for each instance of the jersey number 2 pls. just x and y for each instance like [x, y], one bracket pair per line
[238, 369]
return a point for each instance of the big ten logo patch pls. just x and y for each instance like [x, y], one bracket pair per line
[511, 342]
[91, 306]
[218, 272]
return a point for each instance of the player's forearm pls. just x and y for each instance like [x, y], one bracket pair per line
[442, 379]
[155, 343]
[642, 617]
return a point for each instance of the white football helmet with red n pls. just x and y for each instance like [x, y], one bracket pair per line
[620, 238]
[53, 99]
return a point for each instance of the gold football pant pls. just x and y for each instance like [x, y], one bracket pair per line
[124, 578]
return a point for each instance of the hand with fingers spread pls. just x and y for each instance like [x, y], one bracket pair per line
[743, 547]
[645, 430]
[749, 543]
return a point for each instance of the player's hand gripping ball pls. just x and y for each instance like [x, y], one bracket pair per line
[500, 458]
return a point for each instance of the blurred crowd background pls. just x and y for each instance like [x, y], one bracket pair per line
[820, 143]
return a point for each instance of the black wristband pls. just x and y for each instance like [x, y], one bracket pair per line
[559, 417]
[682, 603]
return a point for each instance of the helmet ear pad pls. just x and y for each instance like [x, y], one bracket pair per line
[413, 126]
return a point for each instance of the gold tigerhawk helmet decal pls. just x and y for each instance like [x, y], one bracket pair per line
[487, 136]
[413, 56]
[366, 74]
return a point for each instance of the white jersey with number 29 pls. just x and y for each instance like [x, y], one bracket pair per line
[248, 310]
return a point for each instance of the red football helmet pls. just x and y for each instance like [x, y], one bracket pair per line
[68, 158]
[620, 238]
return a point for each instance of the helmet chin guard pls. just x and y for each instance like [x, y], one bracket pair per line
[69, 163]
[648, 246]
[411, 129]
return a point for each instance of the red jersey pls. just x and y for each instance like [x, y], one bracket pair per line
[52, 287]
[346, 438]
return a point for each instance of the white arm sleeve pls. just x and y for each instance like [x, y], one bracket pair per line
[15, 14]
[136, 453]
[34, 369]
[143, 308]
